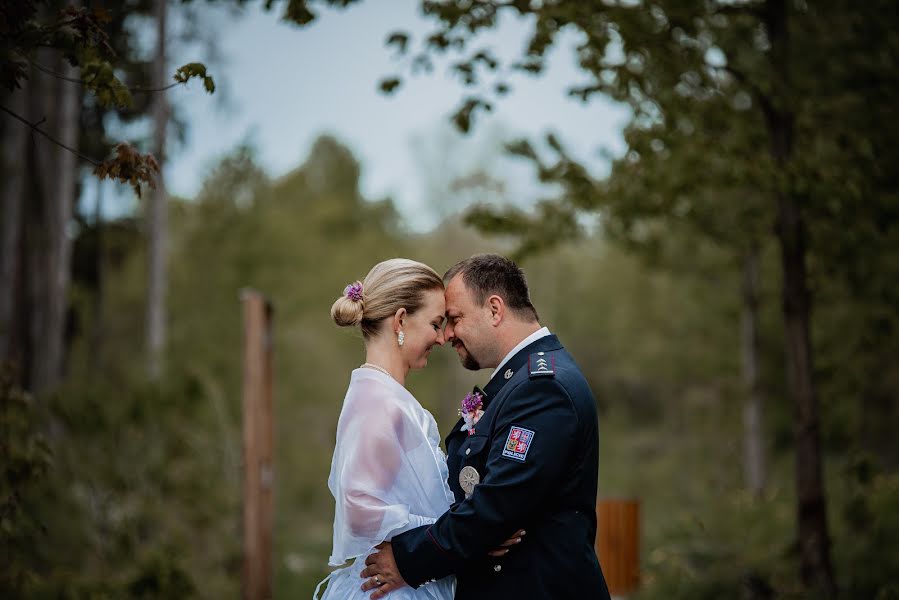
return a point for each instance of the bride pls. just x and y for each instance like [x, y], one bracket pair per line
[388, 473]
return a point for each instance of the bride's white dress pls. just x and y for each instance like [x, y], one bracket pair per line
[388, 475]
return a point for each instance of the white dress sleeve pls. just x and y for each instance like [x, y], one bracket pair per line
[372, 479]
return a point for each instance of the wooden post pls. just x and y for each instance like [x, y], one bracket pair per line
[257, 445]
[618, 544]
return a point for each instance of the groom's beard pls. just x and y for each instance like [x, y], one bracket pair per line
[468, 360]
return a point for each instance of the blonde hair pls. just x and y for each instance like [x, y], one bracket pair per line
[389, 286]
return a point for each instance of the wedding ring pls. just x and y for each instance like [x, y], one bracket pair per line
[378, 580]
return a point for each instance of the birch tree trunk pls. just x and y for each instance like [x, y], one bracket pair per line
[753, 437]
[99, 320]
[157, 213]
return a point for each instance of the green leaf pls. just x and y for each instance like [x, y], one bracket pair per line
[98, 76]
[198, 70]
[298, 12]
[400, 39]
[462, 118]
[390, 85]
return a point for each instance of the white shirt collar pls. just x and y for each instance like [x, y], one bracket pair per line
[540, 333]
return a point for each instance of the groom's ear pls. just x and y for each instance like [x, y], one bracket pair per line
[497, 309]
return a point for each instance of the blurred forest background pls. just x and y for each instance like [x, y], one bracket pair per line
[731, 290]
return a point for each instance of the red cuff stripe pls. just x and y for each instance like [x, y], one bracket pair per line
[439, 547]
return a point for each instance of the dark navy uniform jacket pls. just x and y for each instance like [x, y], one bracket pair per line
[536, 449]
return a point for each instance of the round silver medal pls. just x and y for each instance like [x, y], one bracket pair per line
[468, 478]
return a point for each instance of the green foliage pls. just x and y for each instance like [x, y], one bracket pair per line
[77, 32]
[699, 79]
[543, 229]
[463, 117]
[702, 537]
[871, 517]
[139, 500]
[301, 12]
[399, 39]
[25, 459]
[198, 70]
[98, 77]
[161, 579]
[87, 37]
[389, 85]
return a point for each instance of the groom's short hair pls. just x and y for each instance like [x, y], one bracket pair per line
[489, 274]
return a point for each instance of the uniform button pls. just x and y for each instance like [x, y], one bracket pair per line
[467, 451]
[497, 568]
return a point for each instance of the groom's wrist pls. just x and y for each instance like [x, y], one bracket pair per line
[419, 559]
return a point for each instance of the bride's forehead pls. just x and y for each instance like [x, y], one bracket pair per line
[434, 298]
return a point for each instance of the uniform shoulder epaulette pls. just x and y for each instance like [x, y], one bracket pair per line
[542, 364]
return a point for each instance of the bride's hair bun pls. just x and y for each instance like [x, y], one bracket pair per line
[347, 310]
[390, 285]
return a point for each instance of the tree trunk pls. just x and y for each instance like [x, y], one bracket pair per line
[753, 446]
[53, 178]
[158, 210]
[99, 320]
[814, 541]
[12, 195]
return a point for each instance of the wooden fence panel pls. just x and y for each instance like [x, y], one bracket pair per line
[618, 544]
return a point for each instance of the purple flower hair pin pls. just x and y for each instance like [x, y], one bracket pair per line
[353, 292]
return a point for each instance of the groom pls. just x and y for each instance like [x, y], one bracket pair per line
[530, 461]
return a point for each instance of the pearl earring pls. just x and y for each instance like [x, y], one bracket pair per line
[400, 338]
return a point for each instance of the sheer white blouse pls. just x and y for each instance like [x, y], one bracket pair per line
[388, 473]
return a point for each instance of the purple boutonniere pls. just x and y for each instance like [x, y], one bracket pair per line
[472, 411]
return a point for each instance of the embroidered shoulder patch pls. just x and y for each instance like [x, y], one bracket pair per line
[518, 443]
[541, 364]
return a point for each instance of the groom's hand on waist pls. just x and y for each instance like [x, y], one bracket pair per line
[381, 573]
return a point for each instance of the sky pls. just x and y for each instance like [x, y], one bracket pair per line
[281, 86]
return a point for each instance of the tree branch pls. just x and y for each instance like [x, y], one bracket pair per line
[35, 127]
[151, 90]
[56, 74]
[764, 100]
[135, 90]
